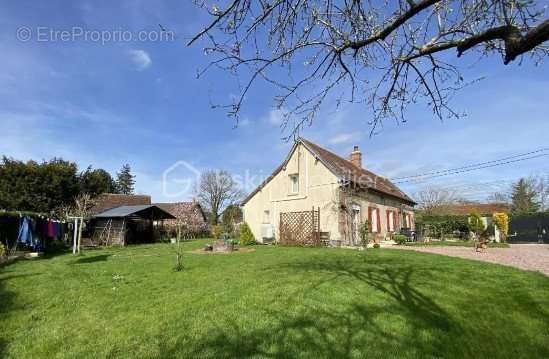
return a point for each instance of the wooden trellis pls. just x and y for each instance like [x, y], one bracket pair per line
[300, 228]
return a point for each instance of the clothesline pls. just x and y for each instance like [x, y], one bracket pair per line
[33, 232]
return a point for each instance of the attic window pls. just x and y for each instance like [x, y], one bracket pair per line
[294, 183]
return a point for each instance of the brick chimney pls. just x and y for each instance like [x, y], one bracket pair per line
[356, 157]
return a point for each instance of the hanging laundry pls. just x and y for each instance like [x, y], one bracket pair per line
[29, 233]
[43, 225]
[25, 235]
[51, 229]
[57, 229]
[35, 229]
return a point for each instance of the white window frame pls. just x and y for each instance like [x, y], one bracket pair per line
[374, 212]
[407, 220]
[294, 183]
[266, 216]
[391, 219]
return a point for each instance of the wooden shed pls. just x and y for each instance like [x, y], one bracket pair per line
[127, 224]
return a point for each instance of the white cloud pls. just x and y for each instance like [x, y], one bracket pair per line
[344, 138]
[244, 122]
[141, 59]
[276, 116]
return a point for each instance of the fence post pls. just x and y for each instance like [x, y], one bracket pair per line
[318, 227]
[280, 234]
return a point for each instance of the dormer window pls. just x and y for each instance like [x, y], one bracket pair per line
[294, 184]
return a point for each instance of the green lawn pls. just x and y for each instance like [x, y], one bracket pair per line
[273, 302]
[456, 244]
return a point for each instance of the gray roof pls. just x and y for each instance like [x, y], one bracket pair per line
[141, 210]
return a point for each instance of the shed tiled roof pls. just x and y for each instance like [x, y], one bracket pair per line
[107, 201]
[190, 213]
[346, 171]
[182, 209]
[145, 211]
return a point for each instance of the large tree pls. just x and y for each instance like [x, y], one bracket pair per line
[388, 54]
[523, 197]
[541, 186]
[125, 180]
[38, 187]
[216, 190]
[435, 201]
[96, 181]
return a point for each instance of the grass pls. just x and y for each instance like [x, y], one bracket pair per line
[272, 302]
[456, 244]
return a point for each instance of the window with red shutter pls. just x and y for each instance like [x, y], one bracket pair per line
[370, 219]
[378, 229]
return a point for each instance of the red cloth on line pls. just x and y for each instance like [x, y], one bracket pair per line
[51, 229]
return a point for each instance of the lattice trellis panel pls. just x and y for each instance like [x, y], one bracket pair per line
[300, 228]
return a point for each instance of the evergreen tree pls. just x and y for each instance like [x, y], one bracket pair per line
[523, 197]
[232, 215]
[38, 187]
[125, 180]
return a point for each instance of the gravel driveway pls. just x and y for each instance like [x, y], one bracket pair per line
[533, 257]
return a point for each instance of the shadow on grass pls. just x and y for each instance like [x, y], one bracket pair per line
[7, 304]
[3, 348]
[356, 327]
[91, 259]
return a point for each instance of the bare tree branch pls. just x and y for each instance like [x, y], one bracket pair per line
[397, 58]
[217, 190]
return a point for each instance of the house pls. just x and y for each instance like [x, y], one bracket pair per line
[316, 196]
[189, 214]
[485, 210]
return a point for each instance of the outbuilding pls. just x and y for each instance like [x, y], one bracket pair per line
[127, 224]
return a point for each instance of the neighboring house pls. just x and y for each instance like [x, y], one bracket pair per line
[108, 201]
[465, 209]
[189, 214]
[315, 190]
[485, 210]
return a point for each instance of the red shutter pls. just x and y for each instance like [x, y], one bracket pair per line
[378, 221]
[395, 214]
[388, 219]
[370, 219]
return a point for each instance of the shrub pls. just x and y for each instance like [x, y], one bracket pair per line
[246, 236]
[501, 220]
[217, 231]
[437, 226]
[3, 252]
[399, 239]
[475, 223]
[376, 245]
[364, 229]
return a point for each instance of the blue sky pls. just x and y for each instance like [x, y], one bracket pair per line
[139, 102]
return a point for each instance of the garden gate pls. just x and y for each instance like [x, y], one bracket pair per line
[530, 228]
[300, 228]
